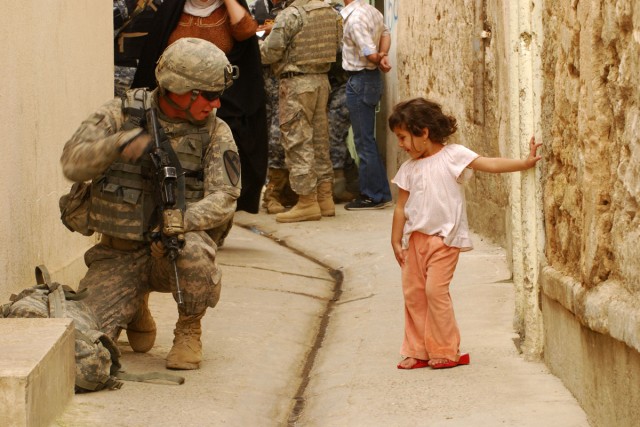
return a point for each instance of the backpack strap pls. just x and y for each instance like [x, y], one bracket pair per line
[150, 377]
[42, 275]
[57, 307]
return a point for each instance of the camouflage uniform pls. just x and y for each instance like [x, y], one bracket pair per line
[121, 269]
[263, 10]
[338, 124]
[276, 151]
[338, 114]
[301, 47]
[132, 20]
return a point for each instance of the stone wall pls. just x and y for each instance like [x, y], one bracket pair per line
[591, 66]
[57, 68]
[441, 56]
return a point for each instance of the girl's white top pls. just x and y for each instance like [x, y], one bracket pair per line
[436, 204]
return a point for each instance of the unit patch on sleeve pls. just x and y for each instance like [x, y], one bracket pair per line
[232, 166]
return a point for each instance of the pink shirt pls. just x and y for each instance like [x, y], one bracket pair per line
[436, 204]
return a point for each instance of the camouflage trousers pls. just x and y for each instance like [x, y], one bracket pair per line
[339, 124]
[276, 151]
[122, 79]
[304, 130]
[119, 277]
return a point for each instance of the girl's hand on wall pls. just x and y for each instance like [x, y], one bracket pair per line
[533, 153]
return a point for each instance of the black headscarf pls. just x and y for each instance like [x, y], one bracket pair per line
[243, 104]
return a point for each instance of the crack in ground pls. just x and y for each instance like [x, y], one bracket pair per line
[338, 277]
[306, 276]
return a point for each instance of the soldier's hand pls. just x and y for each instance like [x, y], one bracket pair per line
[136, 148]
[157, 249]
[265, 28]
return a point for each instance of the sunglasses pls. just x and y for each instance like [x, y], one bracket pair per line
[207, 94]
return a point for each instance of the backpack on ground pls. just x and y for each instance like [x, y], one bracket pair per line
[97, 356]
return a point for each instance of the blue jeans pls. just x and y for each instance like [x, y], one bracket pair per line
[364, 90]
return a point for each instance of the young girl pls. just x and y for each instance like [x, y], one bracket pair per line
[430, 227]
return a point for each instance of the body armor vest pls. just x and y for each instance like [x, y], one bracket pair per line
[123, 200]
[316, 43]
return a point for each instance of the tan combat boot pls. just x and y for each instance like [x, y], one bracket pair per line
[186, 352]
[325, 199]
[307, 209]
[277, 179]
[141, 332]
[288, 197]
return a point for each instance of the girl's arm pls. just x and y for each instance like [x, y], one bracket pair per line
[501, 164]
[397, 226]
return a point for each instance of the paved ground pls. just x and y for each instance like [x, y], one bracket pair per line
[307, 333]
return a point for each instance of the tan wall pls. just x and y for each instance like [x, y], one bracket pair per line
[439, 56]
[591, 196]
[57, 67]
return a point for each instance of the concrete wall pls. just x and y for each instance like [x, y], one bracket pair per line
[569, 73]
[57, 68]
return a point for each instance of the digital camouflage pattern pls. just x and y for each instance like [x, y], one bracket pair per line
[276, 151]
[123, 77]
[303, 97]
[339, 123]
[122, 272]
[304, 128]
[95, 146]
[260, 10]
[97, 356]
[283, 40]
[338, 116]
[191, 63]
[119, 277]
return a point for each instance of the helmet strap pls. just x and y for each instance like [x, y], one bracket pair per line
[186, 110]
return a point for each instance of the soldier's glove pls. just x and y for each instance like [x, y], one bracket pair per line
[173, 223]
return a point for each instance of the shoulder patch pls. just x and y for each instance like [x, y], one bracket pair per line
[232, 166]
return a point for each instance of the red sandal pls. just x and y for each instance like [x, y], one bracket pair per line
[419, 364]
[463, 360]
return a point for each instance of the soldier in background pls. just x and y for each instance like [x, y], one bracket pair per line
[132, 20]
[278, 192]
[301, 47]
[109, 149]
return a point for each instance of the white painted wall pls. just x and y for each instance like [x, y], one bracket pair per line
[57, 67]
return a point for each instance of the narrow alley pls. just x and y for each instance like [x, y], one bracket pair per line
[276, 300]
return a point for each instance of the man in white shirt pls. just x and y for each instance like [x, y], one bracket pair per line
[366, 41]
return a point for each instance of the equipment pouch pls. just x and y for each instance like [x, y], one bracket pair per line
[75, 206]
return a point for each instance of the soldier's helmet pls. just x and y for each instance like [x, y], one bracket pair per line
[194, 64]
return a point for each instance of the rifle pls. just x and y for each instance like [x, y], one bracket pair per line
[169, 183]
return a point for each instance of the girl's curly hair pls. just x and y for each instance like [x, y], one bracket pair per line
[417, 114]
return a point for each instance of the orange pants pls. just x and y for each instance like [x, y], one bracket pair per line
[431, 330]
